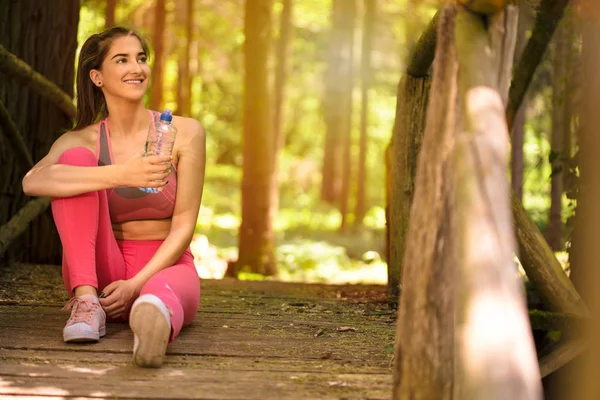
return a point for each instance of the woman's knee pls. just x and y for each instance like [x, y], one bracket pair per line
[80, 156]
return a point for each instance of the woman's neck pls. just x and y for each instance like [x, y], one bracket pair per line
[126, 118]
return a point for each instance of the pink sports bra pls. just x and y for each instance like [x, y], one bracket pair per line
[130, 203]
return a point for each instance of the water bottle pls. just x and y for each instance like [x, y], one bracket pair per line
[160, 141]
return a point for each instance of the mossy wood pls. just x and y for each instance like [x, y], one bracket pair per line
[424, 339]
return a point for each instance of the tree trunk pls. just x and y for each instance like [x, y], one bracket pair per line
[256, 253]
[549, 14]
[158, 40]
[365, 65]
[425, 332]
[495, 356]
[517, 136]
[557, 155]
[337, 103]
[407, 136]
[111, 7]
[346, 115]
[35, 31]
[15, 69]
[285, 30]
[517, 158]
[185, 17]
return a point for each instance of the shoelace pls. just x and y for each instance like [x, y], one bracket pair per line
[83, 310]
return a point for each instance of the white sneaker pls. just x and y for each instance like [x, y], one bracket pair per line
[150, 321]
[87, 322]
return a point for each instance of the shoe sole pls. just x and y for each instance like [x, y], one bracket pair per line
[152, 330]
[82, 337]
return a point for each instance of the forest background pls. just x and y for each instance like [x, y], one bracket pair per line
[330, 223]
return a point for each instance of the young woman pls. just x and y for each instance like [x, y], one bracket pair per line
[126, 253]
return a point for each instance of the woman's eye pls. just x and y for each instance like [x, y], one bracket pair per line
[121, 60]
[142, 60]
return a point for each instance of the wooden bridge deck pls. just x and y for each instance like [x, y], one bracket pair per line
[250, 340]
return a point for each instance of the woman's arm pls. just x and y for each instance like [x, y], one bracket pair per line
[190, 184]
[47, 178]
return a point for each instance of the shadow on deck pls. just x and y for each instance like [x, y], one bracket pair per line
[250, 340]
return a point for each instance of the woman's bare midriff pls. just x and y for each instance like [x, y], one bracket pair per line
[142, 230]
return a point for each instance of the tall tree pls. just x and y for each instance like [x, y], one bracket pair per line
[256, 253]
[337, 100]
[560, 129]
[185, 17]
[35, 31]
[158, 40]
[518, 132]
[283, 42]
[366, 76]
[346, 112]
[111, 7]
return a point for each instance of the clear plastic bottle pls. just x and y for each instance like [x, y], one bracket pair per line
[160, 141]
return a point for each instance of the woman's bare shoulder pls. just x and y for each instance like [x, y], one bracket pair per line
[81, 137]
[188, 128]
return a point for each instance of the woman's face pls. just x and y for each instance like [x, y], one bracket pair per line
[124, 72]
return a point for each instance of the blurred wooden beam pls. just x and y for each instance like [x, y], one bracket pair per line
[495, 354]
[542, 267]
[564, 353]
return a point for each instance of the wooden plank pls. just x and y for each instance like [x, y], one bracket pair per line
[62, 357]
[174, 383]
[224, 342]
[53, 316]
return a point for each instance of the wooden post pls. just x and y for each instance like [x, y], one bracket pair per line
[495, 353]
[402, 153]
[424, 340]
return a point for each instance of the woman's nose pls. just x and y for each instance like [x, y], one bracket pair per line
[137, 67]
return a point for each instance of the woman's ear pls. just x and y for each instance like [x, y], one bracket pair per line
[96, 77]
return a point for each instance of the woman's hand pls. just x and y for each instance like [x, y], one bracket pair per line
[146, 172]
[118, 298]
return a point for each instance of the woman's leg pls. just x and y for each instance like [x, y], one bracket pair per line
[91, 257]
[178, 287]
[167, 302]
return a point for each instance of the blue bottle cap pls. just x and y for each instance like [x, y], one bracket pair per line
[166, 115]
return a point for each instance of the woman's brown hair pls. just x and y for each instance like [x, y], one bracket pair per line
[91, 105]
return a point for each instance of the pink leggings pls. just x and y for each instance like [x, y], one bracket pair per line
[92, 256]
